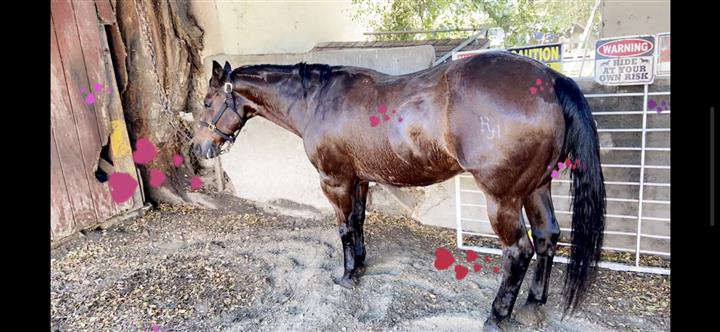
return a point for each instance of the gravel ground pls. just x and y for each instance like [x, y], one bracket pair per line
[240, 268]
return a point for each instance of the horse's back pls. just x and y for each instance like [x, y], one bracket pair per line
[422, 128]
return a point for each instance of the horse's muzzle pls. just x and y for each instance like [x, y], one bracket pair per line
[206, 150]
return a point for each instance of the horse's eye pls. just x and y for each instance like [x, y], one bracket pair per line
[208, 104]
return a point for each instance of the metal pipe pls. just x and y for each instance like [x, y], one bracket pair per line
[423, 31]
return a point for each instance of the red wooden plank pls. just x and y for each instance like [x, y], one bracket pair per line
[62, 221]
[89, 33]
[88, 29]
[67, 140]
[105, 11]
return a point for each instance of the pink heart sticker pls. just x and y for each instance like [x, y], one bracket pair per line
[89, 99]
[122, 186]
[196, 182]
[382, 108]
[145, 151]
[374, 121]
[177, 160]
[156, 178]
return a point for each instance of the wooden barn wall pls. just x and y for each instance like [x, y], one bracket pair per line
[79, 58]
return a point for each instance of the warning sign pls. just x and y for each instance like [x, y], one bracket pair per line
[550, 54]
[625, 60]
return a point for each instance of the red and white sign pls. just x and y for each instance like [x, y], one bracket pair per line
[467, 54]
[625, 60]
[625, 48]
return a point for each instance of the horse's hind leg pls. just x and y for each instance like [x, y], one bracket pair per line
[504, 213]
[545, 232]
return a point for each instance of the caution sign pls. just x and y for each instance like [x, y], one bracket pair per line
[625, 60]
[549, 54]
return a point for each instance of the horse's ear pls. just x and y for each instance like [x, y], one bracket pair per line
[217, 73]
[227, 69]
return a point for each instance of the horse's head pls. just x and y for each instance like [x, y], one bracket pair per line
[226, 111]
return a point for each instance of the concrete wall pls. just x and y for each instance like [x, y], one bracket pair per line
[245, 27]
[635, 17]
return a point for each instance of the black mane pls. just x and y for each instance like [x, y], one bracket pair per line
[303, 70]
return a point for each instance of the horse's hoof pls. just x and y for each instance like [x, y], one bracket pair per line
[360, 270]
[529, 314]
[492, 325]
[346, 282]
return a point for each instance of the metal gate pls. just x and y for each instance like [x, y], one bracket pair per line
[638, 214]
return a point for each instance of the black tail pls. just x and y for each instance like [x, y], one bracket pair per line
[588, 191]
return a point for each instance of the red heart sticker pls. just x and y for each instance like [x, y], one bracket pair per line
[443, 259]
[471, 256]
[460, 272]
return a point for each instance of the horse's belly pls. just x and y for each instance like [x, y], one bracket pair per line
[406, 166]
[417, 176]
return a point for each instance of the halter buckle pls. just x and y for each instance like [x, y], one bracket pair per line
[228, 87]
[211, 126]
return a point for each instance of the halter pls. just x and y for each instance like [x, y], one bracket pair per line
[229, 104]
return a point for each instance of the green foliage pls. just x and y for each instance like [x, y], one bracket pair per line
[518, 19]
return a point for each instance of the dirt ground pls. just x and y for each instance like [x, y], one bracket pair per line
[241, 268]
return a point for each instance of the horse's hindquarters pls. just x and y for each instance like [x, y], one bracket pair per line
[506, 121]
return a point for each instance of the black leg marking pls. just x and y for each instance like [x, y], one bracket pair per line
[357, 221]
[348, 243]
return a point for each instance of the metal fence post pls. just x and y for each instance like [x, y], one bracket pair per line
[642, 175]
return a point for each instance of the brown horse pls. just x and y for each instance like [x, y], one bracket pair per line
[502, 117]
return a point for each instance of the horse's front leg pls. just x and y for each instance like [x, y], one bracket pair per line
[357, 221]
[339, 192]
